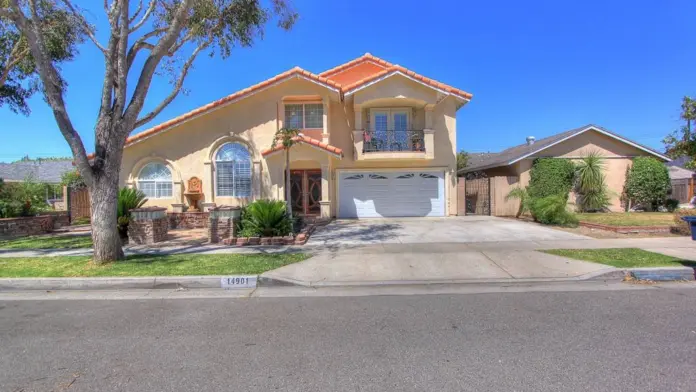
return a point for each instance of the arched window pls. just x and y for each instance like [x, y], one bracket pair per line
[233, 171]
[155, 180]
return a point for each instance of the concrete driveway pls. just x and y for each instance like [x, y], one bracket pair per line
[464, 229]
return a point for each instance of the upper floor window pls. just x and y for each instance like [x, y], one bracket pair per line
[233, 171]
[390, 119]
[304, 116]
[155, 180]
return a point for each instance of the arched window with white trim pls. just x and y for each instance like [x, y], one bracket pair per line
[155, 180]
[233, 171]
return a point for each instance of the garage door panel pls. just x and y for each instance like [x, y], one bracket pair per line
[391, 194]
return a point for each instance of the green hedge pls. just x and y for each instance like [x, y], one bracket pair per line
[648, 182]
[551, 176]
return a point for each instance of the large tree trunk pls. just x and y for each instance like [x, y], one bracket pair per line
[288, 191]
[104, 196]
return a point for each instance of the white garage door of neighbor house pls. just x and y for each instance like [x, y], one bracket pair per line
[391, 194]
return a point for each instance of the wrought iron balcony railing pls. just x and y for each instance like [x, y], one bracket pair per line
[393, 141]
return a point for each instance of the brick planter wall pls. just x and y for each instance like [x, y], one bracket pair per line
[152, 227]
[188, 220]
[627, 229]
[25, 226]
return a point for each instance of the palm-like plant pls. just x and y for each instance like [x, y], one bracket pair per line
[591, 188]
[128, 199]
[522, 195]
[266, 218]
[286, 137]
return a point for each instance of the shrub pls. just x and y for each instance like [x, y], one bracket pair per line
[265, 218]
[26, 198]
[553, 210]
[682, 227]
[648, 182]
[551, 176]
[522, 195]
[128, 199]
[590, 185]
[671, 204]
[72, 179]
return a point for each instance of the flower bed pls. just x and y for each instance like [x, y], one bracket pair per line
[300, 239]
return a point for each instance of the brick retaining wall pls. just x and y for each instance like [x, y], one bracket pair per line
[147, 231]
[32, 225]
[187, 220]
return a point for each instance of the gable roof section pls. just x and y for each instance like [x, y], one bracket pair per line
[296, 72]
[522, 151]
[300, 138]
[357, 69]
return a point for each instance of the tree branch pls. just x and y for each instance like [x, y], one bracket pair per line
[85, 26]
[52, 85]
[141, 43]
[12, 60]
[150, 66]
[136, 13]
[145, 17]
[177, 87]
[121, 61]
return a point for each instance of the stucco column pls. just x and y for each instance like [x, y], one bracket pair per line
[429, 116]
[429, 141]
[358, 139]
[256, 181]
[325, 131]
[325, 189]
[358, 116]
[208, 182]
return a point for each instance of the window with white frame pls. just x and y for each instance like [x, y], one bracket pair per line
[304, 116]
[155, 181]
[233, 171]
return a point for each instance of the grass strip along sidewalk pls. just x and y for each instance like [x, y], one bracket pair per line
[48, 242]
[622, 258]
[628, 218]
[146, 265]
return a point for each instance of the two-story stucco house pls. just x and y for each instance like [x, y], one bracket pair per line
[377, 140]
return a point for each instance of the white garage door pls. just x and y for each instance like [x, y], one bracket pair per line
[391, 194]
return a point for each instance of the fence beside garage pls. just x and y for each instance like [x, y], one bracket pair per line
[486, 196]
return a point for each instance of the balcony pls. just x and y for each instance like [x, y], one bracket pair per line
[393, 144]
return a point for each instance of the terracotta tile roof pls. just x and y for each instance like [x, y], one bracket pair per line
[239, 94]
[397, 68]
[306, 139]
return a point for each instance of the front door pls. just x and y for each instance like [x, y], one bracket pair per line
[305, 186]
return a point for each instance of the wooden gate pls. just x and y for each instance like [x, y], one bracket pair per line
[477, 196]
[79, 203]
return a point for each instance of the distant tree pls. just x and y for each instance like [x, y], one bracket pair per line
[72, 179]
[18, 73]
[462, 159]
[169, 35]
[682, 142]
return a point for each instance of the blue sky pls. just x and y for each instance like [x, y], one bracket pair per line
[534, 67]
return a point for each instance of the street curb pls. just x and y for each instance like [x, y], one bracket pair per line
[663, 274]
[111, 283]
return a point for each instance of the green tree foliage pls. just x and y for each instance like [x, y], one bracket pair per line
[522, 195]
[682, 142]
[72, 179]
[462, 160]
[265, 218]
[18, 73]
[590, 186]
[26, 198]
[128, 199]
[551, 176]
[648, 182]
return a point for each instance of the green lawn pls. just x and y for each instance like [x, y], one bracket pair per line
[48, 242]
[628, 218]
[146, 265]
[621, 258]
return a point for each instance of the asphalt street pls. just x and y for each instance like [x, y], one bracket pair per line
[540, 341]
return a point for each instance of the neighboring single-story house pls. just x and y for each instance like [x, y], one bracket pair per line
[49, 171]
[617, 150]
[377, 140]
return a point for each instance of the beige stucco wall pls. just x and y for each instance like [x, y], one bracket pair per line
[618, 156]
[188, 148]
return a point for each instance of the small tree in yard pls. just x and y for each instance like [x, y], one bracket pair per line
[648, 182]
[591, 186]
[169, 35]
[286, 138]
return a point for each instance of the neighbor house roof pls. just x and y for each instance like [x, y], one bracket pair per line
[679, 173]
[307, 140]
[354, 74]
[514, 154]
[49, 171]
